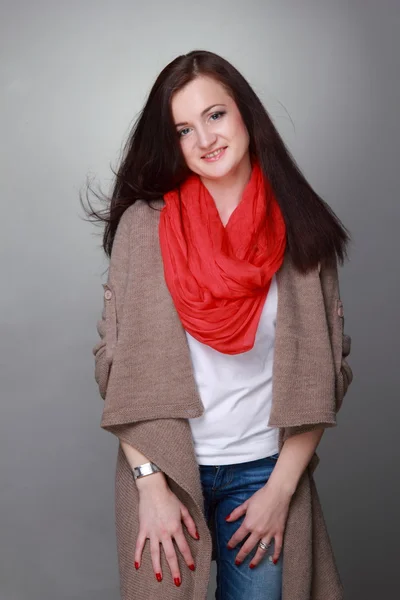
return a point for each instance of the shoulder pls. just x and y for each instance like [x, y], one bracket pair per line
[138, 226]
[140, 213]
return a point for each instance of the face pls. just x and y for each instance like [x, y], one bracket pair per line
[207, 120]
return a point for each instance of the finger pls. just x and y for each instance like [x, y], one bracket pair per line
[172, 560]
[247, 547]
[260, 554]
[239, 511]
[238, 536]
[155, 557]
[278, 543]
[189, 523]
[140, 542]
[184, 550]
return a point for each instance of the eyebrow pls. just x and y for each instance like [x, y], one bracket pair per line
[202, 114]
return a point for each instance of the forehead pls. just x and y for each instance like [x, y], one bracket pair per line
[197, 95]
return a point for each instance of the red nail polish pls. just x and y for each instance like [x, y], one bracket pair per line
[136, 565]
[159, 576]
[275, 561]
[228, 517]
[251, 566]
[237, 562]
[192, 567]
[197, 535]
[177, 581]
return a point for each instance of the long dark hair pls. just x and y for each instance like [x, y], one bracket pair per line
[153, 164]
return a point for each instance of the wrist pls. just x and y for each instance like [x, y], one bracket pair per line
[151, 482]
[283, 485]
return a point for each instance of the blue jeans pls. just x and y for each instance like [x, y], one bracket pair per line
[224, 488]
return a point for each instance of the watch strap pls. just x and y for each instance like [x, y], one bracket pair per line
[145, 469]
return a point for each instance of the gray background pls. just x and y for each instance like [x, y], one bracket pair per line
[73, 76]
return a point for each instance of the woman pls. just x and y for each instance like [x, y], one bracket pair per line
[221, 356]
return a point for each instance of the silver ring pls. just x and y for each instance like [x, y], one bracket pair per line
[263, 545]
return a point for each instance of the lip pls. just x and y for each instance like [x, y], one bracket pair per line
[215, 158]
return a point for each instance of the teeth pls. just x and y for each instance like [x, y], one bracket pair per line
[214, 153]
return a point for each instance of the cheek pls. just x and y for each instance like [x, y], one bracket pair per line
[244, 134]
[187, 148]
[239, 131]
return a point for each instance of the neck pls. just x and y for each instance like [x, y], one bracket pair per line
[228, 191]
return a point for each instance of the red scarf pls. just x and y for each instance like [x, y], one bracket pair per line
[219, 276]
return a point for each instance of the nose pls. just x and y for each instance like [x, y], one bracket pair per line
[205, 138]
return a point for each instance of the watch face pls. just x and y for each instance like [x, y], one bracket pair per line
[146, 469]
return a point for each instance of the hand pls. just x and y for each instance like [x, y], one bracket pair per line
[266, 514]
[160, 515]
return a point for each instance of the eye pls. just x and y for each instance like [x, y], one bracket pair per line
[218, 114]
[181, 134]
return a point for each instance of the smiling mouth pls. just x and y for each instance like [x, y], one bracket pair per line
[215, 152]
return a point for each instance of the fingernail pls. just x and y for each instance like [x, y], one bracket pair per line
[275, 560]
[197, 535]
[136, 565]
[177, 581]
[192, 567]
[237, 562]
[228, 517]
[159, 576]
[251, 566]
[229, 547]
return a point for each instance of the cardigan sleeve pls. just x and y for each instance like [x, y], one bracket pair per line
[340, 341]
[113, 299]
[340, 344]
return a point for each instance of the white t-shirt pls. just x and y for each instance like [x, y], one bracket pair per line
[236, 391]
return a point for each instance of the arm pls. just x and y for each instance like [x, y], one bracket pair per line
[160, 511]
[299, 448]
[267, 510]
[294, 457]
[135, 458]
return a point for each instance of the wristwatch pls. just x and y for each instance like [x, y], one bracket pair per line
[146, 469]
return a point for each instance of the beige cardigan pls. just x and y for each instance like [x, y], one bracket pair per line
[144, 373]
